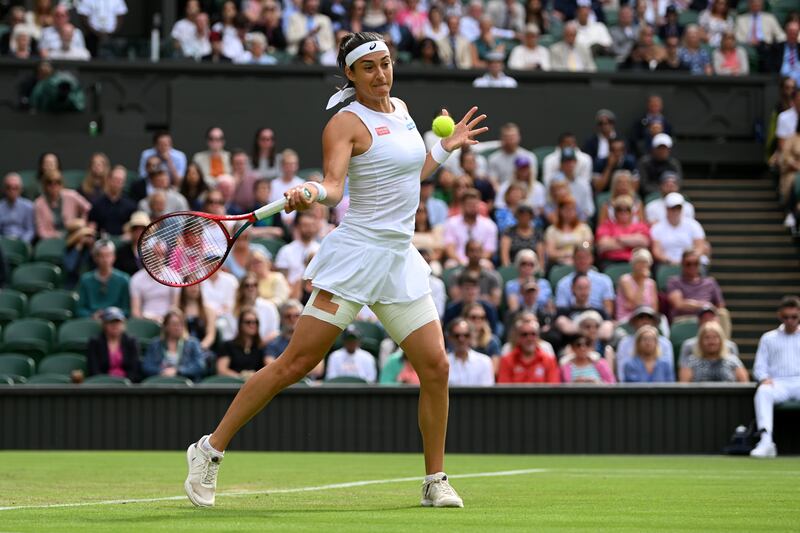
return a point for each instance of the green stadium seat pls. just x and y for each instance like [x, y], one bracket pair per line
[370, 330]
[601, 198]
[62, 363]
[273, 245]
[652, 197]
[606, 64]
[665, 272]
[681, 331]
[29, 336]
[346, 379]
[612, 17]
[50, 251]
[558, 272]
[222, 380]
[73, 178]
[448, 277]
[6, 380]
[58, 305]
[143, 329]
[131, 178]
[34, 277]
[105, 379]
[616, 271]
[12, 305]
[49, 379]
[508, 273]
[167, 380]
[541, 152]
[688, 16]
[30, 185]
[74, 335]
[17, 365]
[15, 251]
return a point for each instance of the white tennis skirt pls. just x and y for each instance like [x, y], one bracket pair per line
[366, 268]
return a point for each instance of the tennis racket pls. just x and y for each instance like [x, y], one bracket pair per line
[187, 247]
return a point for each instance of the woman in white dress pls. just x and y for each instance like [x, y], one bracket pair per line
[368, 260]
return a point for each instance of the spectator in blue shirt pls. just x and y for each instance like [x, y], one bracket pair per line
[602, 294]
[174, 353]
[692, 54]
[647, 366]
[172, 161]
[16, 213]
[105, 286]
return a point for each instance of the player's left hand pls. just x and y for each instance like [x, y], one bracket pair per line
[465, 132]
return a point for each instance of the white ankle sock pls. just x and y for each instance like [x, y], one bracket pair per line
[206, 445]
[430, 477]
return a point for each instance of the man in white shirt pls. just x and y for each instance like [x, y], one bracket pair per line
[290, 163]
[350, 360]
[149, 298]
[184, 27]
[219, 293]
[495, 77]
[777, 369]
[69, 50]
[591, 33]
[787, 122]
[656, 210]
[552, 161]
[529, 55]
[291, 259]
[468, 368]
[581, 188]
[470, 25]
[502, 162]
[677, 234]
[506, 14]
[103, 18]
[52, 35]
[195, 42]
[309, 22]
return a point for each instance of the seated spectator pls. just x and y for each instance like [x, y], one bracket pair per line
[149, 298]
[671, 26]
[637, 288]
[290, 163]
[102, 18]
[168, 158]
[398, 369]
[581, 188]
[570, 55]
[513, 197]
[616, 239]
[672, 61]
[707, 314]
[622, 184]
[581, 367]
[469, 293]
[193, 187]
[730, 60]
[656, 210]
[184, 29]
[651, 166]
[552, 161]
[174, 353]
[502, 163]
[776, 371]
[245, 179]
[787, 54]
[201, 321]
[217, 54]
[692, 53]
[22, 45]
[272, 285]
[111, 210]
[247, 297]
[308, 21]
[291, 259]
[219, 293]
[256, 51]
[57, 207]
[638, 60]
[483, 340]
[53, 36]
[114, 352]
[270, 24]
[716, 21]
[77, 253]
[527, 264]
[580, 317]
[128, 260]
[528, 362]
[426, 236]
[495, 77]
[599, 144]
[172, 199]
[529, 55]
[758, 28]
[786, 127]
[234, 37]
[536, 12]
[193, 42]
[438, 290]
[489, 281]
[524, 235]
[592, 33]
[105, 286]
[677, 234]
[244, 355]
[624, 34]
[469, 225]
[488, 41]
[690, 291]
[16, 212]
[647, 365]
[601, 295]
[530, 303]
[436, 208]
[95, 180]
[426, 54]
[506, 14]
[567, 232]
[351, 360]
[710, 360]
[266, 160]
[535, 194]
[468, 368]
[644, 128]
[215, 160]
[290, 314]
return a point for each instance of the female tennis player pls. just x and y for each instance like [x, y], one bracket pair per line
[368, 260]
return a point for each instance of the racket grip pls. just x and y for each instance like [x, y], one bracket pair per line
[275, 207]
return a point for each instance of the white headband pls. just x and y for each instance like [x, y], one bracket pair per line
[354, 55]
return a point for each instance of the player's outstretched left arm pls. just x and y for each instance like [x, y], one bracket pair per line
[463, 135]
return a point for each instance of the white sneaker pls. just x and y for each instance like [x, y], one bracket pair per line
[438, 493]
[789, 221]
[201, 483]
[765, 449]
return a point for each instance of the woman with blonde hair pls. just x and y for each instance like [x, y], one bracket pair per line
[528, 266]
[710, 359]
[638, 287]
[174, 353]
[272, 285]
[95, 180]
[247, 296]
[621, 185]
[646, 365]
[483, 340]
[567, 232]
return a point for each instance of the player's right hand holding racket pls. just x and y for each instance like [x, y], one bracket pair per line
[298, 199]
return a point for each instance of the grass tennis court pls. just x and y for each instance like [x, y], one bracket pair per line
[529, 493]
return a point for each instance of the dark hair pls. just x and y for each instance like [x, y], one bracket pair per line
[578, 338]
[192, 192]
[577, 278]
[160, 133]
[272, 154]
[255, 339]
[788, 302]
[211, 128]
[353, 41]
[563, 136]
[436, 60]
[427, 225]
[39, 172]
[238, 151]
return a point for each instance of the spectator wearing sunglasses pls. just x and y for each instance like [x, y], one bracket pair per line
[584, 365]
[528, 362]
[468, 367]
[214, 161]
[57, 207]
[244, 355]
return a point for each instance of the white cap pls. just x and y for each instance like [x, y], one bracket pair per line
[584, 3]
[662, 139]
[673, 199]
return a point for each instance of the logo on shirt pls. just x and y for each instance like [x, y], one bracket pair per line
[382, 130]
[411, 126]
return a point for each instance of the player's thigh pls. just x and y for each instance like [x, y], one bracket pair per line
[323, 319]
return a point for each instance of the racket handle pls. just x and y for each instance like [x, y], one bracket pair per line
[275, 207]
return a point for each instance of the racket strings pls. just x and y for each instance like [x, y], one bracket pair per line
[183, 249]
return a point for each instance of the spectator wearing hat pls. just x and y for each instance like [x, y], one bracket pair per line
[653, 165]
[642, 316]
[656, 210]
[529, 55]
[601, 295]
[710, 359]
[217, 54]
[592, 33]
[570, 55]
[128, 260]
[174, 352]
[690, 291]
[524, 174]
[468, 368]
[552, 161]
[581, 188]
[677, 234]
[16, 212]
[113, 352]
[112, 210]
[636, 288]
[616, 239]
[624, 34]
[652, 123]
[469, 225]
[581, 367]
[105, 286]
[528, 265]
[469, 292]
[455, 50]
[350, 360]
[531, 297]
[528, 362]
[647, 364]
[495, 77]
[598, 145]
[707, 313]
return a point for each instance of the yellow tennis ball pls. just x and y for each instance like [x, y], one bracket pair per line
[443, 126]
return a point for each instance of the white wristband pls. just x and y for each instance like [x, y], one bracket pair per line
[321, 192]
[439, 154]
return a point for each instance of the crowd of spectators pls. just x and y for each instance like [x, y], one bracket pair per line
[701, 37]
[542, 271]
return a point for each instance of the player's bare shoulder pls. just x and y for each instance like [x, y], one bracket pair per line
[346, 128]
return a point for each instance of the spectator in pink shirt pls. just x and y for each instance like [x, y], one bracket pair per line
[616, 239]
[469, 225]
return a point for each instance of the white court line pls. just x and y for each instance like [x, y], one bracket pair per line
[279, 491]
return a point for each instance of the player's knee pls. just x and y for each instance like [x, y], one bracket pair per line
[296, 368]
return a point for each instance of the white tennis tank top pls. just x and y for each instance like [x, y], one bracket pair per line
[369, 257]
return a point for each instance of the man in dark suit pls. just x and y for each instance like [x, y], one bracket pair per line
[400, 35]
[598, 144]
